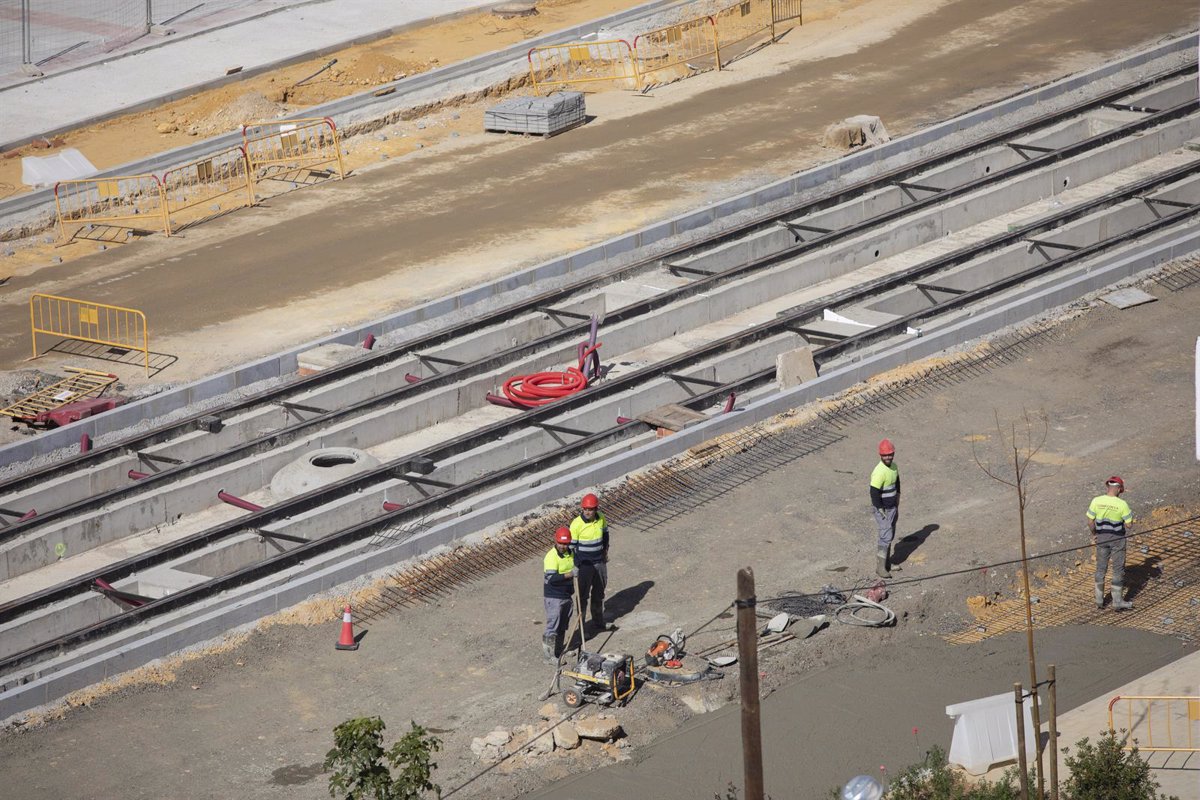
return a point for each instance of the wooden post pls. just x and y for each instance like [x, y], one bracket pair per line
[1021, 765]
[1053, 734]
[747, 629]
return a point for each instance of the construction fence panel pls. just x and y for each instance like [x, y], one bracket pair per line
[582, 62]
[787, 10]
[1164, 723]
[285, 147]
[745, 21]
[120, 201]
[208, 186]
[85, 321]
[671, 52]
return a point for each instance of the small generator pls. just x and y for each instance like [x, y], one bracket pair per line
[603, 678]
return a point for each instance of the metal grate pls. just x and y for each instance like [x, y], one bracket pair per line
[938, 376]
[1162, 578]
[1181, 274]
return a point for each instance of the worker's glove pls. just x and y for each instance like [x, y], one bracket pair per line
[573, 573]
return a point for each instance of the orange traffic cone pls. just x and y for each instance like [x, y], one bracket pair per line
[346, 641]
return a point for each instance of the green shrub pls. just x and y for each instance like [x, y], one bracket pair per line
[1103, 771]
[357, 760]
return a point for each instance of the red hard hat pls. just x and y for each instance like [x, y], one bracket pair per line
[562, 536]
[590, 501]
[886, 448]
[1115, 480]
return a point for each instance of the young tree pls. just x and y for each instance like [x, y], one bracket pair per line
[357, 760]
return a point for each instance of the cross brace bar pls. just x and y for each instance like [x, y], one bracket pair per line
[688, 379]
[558, 312]
[294, 407]
[287, 537]
[933, 287]
[546, 426]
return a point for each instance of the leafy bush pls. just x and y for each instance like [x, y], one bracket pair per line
[357, 762]
[933, 779]
[1103, 771]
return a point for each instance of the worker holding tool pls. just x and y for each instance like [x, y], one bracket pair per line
[1108, 519]
[558, 590]
[885, 505]
[589, 538]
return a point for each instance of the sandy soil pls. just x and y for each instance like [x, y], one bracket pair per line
[441, 218]
[255, 719]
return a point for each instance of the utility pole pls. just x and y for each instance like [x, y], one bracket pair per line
[1021, 765]
[747, 629]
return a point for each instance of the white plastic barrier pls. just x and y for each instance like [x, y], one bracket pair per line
[985, 732]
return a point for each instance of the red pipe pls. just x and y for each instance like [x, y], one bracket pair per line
[729, 403]
[623, 420]
[497, 400]
[388, 506]
[30, 514]
[232, 500]
[85, 443]
[408, 376]
[369, 342]
[134, 475]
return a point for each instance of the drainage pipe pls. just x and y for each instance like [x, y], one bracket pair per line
[226, 497]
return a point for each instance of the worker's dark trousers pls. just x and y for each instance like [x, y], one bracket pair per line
[593, 580]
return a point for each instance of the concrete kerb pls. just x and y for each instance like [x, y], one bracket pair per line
[331, 570]
[898, 151]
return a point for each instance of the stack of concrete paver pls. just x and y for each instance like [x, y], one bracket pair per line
[544, 116]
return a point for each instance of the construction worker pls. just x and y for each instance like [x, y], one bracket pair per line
[1108, 519]
[589, 538]
[558, 591]
[885, 505]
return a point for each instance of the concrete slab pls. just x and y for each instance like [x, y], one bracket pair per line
[1128, 298]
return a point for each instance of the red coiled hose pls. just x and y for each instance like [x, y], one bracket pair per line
[540, 388]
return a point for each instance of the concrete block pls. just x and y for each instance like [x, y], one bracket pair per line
[162, 581]
[794, 368]
[326, 356]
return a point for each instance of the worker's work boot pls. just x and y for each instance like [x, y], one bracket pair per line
[881, 563]
[1099, 595]
[548, 649]
[1119, 601]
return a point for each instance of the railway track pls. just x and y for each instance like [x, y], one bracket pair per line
[770, 280]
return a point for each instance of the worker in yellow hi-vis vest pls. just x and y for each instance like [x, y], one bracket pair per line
[1108, 519]
[589, 538]
[885, 505]
[558, 592]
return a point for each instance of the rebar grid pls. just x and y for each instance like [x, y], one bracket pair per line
[938, 376]
[1162, 578]
[1180, 274]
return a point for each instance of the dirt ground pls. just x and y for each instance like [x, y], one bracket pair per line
[254, 720]
[419, 226]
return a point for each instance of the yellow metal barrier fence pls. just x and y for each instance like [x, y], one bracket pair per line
[676, 46]
[286, 146]
[201, 182]
[1172, 712]
[787, 10]
[745, 20]
[582, 62]
[105, 201]
[84, 321]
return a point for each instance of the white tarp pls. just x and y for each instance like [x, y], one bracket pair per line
[68, 165]
[985, 732]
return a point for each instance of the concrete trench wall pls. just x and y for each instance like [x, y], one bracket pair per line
[198, 492]
[804, 184]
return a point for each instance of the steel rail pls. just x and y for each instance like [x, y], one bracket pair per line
[757, 333]
[296, 430]
[164, 433]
